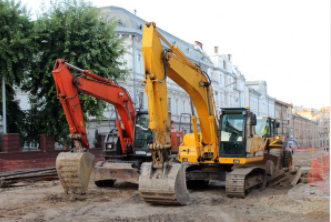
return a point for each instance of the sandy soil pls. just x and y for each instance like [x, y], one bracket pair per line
[45, 201]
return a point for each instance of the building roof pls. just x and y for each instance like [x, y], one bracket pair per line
[311, 110]
[225, 72]
[283, 103]
[270, 98]
[301, 117]
[257, 82]
[262, 88]
[325, 109]
[254, 91]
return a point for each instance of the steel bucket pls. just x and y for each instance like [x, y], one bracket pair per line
[74, 171]
[158, 187]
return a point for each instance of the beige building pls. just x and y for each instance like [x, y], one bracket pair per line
[322, 117]
[283, 115]
[305, 131]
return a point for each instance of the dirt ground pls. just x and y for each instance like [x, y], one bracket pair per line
[45, 201]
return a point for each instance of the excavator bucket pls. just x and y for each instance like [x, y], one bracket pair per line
[116, 171]
[74, 170]
[158, 187]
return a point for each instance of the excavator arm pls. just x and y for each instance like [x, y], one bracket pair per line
[162, 63]
[163, 181]
[74, 168]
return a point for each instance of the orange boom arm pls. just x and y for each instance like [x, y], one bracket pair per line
[101, 88]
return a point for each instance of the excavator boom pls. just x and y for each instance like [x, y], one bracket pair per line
[163, 181]
[74, 168]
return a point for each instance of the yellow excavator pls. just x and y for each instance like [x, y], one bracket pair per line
[266, 128]
[225, 149]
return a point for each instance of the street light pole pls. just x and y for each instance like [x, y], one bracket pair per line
[4, 115]
[281, 114]
[134, 69]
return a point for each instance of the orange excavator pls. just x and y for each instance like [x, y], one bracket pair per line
[123, 158]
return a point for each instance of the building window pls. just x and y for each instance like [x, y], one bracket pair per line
[224, 65]
[224, 98]
[138, 69]
[141, 100]
[177, 107]
[237, 84]
[169, 104]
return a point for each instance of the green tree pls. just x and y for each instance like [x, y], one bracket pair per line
[75, 31]
[16, 47]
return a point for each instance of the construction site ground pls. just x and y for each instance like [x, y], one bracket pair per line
[45, 201]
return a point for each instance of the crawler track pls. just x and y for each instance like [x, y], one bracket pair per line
[240, 181]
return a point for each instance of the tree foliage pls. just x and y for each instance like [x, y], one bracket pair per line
[73, 30]
[16, 47]
[16, 41]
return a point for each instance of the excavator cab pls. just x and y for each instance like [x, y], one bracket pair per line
[275, 145]
[142, 135]
[238, 143]
[266, 128]
[232, 134]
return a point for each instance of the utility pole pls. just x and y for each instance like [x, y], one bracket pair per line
[134, 70]
[281, 114]
[4, 115]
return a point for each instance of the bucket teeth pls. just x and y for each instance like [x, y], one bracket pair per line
[74, 171]
[169, 189]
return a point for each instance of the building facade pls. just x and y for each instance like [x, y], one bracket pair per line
[258, 99]
[230, 88]
[322, 117]
[252, 99]
[283, 115]
[305, 131]
[227, 81]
